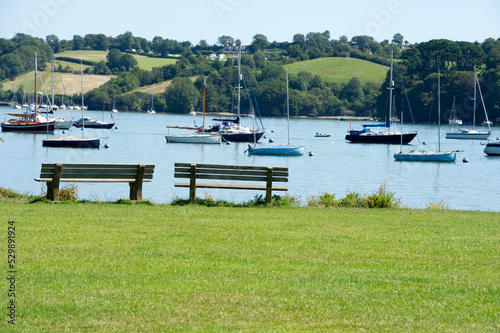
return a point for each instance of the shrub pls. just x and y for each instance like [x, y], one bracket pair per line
[323, 200]
[68, 193]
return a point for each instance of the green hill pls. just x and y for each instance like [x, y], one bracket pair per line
[341, 70]
[144, 62]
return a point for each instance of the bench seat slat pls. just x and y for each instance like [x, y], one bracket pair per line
[234, 177]
[233, 186]
[231, 172]
[95, 175]
[97, 165]
[92, 180]
[229, 167]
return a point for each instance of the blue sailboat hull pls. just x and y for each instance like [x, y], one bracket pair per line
[425, 156]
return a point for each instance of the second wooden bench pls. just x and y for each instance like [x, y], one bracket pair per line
[265, 176]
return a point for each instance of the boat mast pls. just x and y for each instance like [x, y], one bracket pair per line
[474, 111]
[287, 106]
[52, 79]
[36, 94]
[239, 82]
[204, 95]
[83, 107]
[391, 86]
[439, 110]
[153, 99]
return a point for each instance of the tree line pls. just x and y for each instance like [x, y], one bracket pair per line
[415, 69]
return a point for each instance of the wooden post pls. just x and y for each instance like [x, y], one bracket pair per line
[53, 186]
[192, 183]
[136, 187]
[269, 185]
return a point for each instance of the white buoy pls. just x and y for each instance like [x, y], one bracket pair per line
[271, 140]
[116, 127]
[228, 142]
[424, 143]
[311, 153]
[106, 146]
[63, 132]
[465, 160]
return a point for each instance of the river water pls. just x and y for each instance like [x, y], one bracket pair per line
[336, 166]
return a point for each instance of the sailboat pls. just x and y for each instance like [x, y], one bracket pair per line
[114, 110]
[279, 149]
[60, 123]
[70, 141]
[367, 135]
[230, 129]
[92, 123]
[427, 156]
[198, 137]
[453, 115]
[27, 121]
[472, 134]
[152, 110]
[492, 148]
[15, 104]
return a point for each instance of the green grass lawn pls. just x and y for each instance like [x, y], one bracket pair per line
[91, 55]
[341, 70]
[117, 267]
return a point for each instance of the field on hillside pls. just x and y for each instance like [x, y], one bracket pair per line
[71, 82]
[84, 55]
[341, 70]
[148, 63]
[143, 62]
[158, 88]
[106, 267]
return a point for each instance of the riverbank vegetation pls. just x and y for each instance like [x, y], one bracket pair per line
[315, 88]
[87, 266]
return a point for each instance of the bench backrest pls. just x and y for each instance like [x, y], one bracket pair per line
[230, 172]
[88, 171]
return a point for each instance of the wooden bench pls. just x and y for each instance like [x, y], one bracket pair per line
[134, 174]
[254, 174]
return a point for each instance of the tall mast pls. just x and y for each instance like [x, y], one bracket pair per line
[474, 111]
[36, 93]
[52, 79]
[239, 80]
[83, 107]
[204, 95]
[287, 106]
[391, 86]
[439, 110]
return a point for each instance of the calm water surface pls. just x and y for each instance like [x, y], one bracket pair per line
[335, 167]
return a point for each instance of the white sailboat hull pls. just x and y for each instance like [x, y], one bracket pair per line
[194, 138]
[468, 134]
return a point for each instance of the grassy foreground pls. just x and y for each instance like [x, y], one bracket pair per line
[122, 267]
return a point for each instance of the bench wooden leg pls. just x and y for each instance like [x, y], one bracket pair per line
[53, 186]
[269, 185]
[192, 183]
[136, 187]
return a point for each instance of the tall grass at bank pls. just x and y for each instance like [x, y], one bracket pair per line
[135, 267]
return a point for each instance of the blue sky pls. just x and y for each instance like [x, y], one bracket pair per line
[194, 20]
